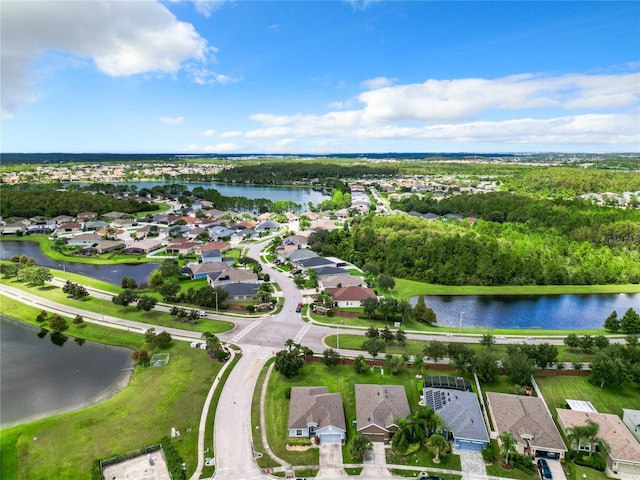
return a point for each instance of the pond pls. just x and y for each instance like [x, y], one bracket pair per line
[40, 378]
[108, 273]
[301, 196]
[549, 312]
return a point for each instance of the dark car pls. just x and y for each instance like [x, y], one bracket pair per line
[543, 468]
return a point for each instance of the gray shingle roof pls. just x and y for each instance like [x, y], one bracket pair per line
[314, 405]
[381, 405]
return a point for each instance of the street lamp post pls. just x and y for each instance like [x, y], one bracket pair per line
[460, 325]
[215, 292]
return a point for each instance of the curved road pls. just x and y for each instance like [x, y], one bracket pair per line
[259, 338]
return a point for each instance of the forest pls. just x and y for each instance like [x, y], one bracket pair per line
[515, 241]
[49, 202]
[285, 173]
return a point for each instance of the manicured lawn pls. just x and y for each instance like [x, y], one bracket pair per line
[341, 379]
[411, 325]
[156, 399]
[265, 461]
[410, 288]
[351, 341]
[607, 400]
[496, 470]
[424, 458]
[154, 318]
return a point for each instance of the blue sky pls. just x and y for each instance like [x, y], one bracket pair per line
[320, 77]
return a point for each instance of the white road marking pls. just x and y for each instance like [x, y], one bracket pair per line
[241, 334]
[301, 333]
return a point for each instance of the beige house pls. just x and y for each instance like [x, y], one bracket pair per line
[622, 449]
[316, 413]
[528, 420]
[378, 407]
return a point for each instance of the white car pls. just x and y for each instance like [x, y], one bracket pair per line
[202, 313]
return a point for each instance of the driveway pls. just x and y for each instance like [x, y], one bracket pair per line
[473, 466]
[331, 461]
[556, 469]
[375, 462]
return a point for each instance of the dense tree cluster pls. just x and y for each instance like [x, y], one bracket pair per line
[487, 253]
[49, 202]
[628, 323]
[286, 173]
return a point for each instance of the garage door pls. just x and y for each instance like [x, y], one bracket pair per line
[330, 438]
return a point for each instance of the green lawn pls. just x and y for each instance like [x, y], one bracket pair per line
[410, 288]
[155, 318]
[350, 341]
[411, 325]
[608, 400]
[341, 379]
[156, 399]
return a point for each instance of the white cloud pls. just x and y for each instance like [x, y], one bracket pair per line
[219, 148]
[378, 82]
[207, 133]
[172, 120]
[122, 38]
[205, 76]
[207, 7]
[568, 110]
[230, 134]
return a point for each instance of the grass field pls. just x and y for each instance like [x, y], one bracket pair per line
[414, 347]
[155, 318]
[606, 400]
[156, 399]
[410, 288]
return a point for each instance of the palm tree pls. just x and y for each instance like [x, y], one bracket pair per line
[431, 421]
[359, 445]
[507, 443]
[591, 430]
[401, 440]
[289, 343]
[437, 444]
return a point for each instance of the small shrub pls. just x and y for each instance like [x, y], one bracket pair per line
[298, 441]
[490, 453]
[287, 393]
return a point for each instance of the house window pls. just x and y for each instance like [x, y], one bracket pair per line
[299, 432]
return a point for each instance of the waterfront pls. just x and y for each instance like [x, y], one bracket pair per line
[108, 273]
[547, 312]
[39, 378]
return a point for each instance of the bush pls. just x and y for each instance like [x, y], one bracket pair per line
[174, 460]
[522, 462]
[490, 453]
[298, 442]
[411, 448]
[287, 393]
[251, 308]
[594, 461]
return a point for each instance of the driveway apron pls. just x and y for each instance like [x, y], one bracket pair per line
[331, 461]
[375, 462]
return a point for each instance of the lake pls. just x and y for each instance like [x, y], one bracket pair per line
[40, 378]
[301, 196]
[108, 273]
[550, 312]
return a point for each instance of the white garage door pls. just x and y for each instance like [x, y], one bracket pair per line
[330, 438]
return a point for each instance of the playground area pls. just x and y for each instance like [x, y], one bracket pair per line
[149, 466]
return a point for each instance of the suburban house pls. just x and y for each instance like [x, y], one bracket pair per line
[377, 409]
[337, 281]
[143, 247]
[315, 262]
[326, 271]
[114, 215]
[230, 275]
[212, 256]
[529, 421]
[14, 228]
[60, 219]
[297, 255]
[199, 271]
[84, 239]
[69, 227]
[218, 246]
[452, 398]
[350, 297]
[184, 248]
[95, 225]
[631, 419]
[245, 224]
[220, 231]
[622, 449]
[240, 291]
[316, 413]
[268, 226]
[103, 246]
[86, 216]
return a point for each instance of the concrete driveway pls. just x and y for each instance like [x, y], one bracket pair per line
[556, 469]
[331, 461]
[375, 462]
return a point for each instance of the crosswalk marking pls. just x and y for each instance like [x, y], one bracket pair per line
[301, 333]
[242, 333]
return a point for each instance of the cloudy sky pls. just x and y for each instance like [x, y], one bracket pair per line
[319, 77]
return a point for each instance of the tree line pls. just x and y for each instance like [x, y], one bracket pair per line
[487, 253]
[49, 202]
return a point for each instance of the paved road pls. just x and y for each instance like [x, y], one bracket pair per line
[259, 339]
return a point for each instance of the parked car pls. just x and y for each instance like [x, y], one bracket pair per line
[543, 468]
[299, 307]
[202, 313]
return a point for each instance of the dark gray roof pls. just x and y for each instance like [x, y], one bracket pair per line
[314, 262]
[460, 412]
[211, 254]
[240, 289]
[321, 271]
[314, 405]
[381, 405]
